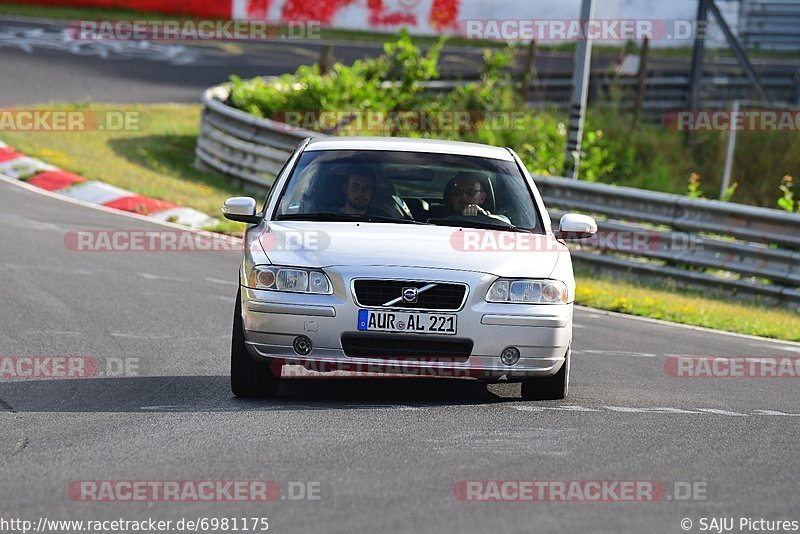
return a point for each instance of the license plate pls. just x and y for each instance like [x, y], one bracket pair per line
[407, 322]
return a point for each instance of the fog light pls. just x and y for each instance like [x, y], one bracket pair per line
[509, 356]
[302, 345]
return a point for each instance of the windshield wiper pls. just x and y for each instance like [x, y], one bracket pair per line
[344, 217]
[483, 224]
[381, 218]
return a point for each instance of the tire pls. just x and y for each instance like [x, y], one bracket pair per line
[250, 377]
[554, 387]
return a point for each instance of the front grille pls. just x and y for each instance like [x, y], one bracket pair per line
[398, 347]
[376, 293]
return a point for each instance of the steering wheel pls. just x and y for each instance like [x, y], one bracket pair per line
[472, 218]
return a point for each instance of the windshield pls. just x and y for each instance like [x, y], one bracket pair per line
[410, 188]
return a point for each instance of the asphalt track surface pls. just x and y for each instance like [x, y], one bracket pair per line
[386, 454]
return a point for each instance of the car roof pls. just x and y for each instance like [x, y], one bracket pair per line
[407, 144]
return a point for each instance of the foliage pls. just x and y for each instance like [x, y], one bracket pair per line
[693, 190]
[786, 201]
[647, 156]
[728, 194]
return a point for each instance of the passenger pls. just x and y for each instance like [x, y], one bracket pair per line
[465, 194]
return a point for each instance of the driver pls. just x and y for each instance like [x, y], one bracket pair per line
[359, 190]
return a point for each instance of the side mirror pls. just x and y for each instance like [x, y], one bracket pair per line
[241, 209]
[575, 226]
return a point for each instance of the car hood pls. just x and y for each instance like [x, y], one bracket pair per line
[315, 244]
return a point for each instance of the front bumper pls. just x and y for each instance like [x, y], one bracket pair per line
[541, 333]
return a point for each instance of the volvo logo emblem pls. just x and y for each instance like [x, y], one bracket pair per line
[410, 294]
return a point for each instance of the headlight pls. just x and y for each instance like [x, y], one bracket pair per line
[290, 279]
[527, 291]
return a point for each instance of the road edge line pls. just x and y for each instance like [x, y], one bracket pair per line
[684, 325]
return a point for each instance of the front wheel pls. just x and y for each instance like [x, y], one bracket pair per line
[249, 377]
[551, 387]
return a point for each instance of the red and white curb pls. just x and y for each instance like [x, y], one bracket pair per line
[18, 166]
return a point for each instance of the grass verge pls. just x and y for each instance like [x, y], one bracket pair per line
[157, 161]
[153, 159]
[686, 307]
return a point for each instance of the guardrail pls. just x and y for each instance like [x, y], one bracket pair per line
[722, 247]
[705, 244]
[664, 91]
[248, 150]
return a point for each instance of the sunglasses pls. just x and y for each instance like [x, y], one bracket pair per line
[465, 192]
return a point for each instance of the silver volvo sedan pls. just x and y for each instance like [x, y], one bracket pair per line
[387, 255]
